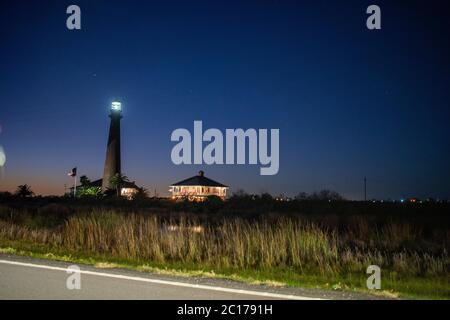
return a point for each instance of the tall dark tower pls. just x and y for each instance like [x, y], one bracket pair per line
[112, 161]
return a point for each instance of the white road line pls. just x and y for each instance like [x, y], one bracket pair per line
[170, 283]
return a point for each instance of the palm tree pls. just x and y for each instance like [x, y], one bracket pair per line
[117, 181]
[84, 181]
[24, 190]
[142, 193]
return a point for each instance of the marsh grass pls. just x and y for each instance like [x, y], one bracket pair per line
[295, 248]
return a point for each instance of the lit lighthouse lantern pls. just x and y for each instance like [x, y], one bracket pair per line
[116, 106]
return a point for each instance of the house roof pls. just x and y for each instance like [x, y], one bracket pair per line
[199, 180]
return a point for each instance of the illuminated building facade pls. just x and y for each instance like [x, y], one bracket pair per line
[198, 188]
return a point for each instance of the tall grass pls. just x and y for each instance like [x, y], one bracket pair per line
[288, 243]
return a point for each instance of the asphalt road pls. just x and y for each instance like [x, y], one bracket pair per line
[29, 278]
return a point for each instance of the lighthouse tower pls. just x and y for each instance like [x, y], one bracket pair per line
[112, 161]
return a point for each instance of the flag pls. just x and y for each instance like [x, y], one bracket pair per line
[73, 173]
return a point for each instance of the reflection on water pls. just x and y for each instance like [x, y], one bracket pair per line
[194, 229]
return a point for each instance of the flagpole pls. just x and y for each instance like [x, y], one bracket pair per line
[73, 174]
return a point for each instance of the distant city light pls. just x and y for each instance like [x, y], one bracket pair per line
[116, 106]
[402, 200]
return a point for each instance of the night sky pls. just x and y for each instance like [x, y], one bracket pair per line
[349, 102]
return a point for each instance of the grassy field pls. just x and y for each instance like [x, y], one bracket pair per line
[279, 249]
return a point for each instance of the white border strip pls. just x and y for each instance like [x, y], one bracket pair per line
[170, 283]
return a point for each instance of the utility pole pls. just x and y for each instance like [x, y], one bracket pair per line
[365, 189]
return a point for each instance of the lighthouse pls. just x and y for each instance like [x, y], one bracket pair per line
[127, 189]
[112, 161]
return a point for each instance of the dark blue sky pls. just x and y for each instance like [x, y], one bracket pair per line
[349, 102]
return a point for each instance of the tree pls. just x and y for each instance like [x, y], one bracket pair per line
[84, 181]
[240, 193]
[266, 197]
[24, 191]
[326, 195]
[141, 193]
[117, 182]
[301, 196]
[86, 188]
[89, 191]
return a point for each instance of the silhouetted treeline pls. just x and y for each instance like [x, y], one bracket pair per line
[239, 205]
